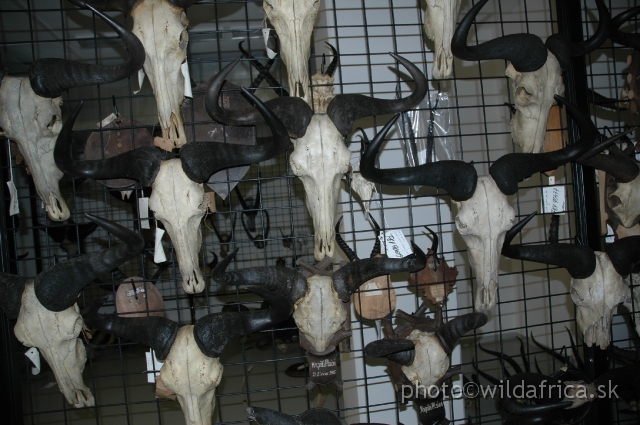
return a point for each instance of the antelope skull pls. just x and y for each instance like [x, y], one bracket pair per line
[192, 369]
[320, 156]
[439, 21]
[293, 21]
[47, 314]
[535, 70]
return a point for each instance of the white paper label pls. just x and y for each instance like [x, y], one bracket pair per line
[34, 355]
[552, 180]
[105, 122]
[140, 80]
[265, 34]
[14, 207]
[611, 236]
[143, 206]
[187, 80]
[153, 366]
[553, 200]
[158, 252]
[372, 290]
[396, 244]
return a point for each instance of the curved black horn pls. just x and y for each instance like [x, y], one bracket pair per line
[621, 167]
[579, 260]
[265, 416]
[625, 39]
[453, 330]
[200, 160]
[526, 52]
[564, 49]
[512, 405]
[141, 164]
[502, 356]
[456, 177]
[345, 109]
[512, 168]
[623, 253]
[52, 76]
[343, 245]
[401, 351]
[334, 62]
[348, 279]
[434, 244]
[156, 332]
[11, 289]
[376, 246]
[57, 288]
[294, 112]
[214, 331]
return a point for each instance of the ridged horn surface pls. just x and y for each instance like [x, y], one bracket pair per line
[401, 351]
[449, 333]
[624, 253]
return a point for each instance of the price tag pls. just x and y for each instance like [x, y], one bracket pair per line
[153, 366]
[396, 245]
[158, 252]
[34, 355]
[553, 200]
[105, 122]
[187, 80]
[143, 206]
[265, 34]
[141, 75]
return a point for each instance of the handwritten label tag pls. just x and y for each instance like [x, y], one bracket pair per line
[265, 34]
[187, 80]
[143, 206]
[34, 355]
[141, 75]
[105, 122]
[396, 245]
[158, 251]
[153, 366]
[553, 200]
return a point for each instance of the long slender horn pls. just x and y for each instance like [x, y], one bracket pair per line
[623, 169]
[564, 49]
[265, 416]
[526, 52]
[52, 76]
[152, 331]
[11, 289]
[512, 168]
[343, 245]
[57, 288]
[512, 405]
[345, 109]
[502, 356]
[141, 164]
[214, 331]
[294, 112]
[376, 246]
[456, 177]
[334, 62]
[200, 160]
[434, 244]
[401, 351]
[625, 39]
[453, 330]
[624, 253]
[579, 260]
[348, 279]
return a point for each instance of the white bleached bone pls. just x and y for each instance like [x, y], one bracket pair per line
[439, 23]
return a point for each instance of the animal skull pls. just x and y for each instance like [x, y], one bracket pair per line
[439, 21]
[34, 122]
[533, 95]
[180, 204]
[431, 361]
[293, 21]
[627, 202]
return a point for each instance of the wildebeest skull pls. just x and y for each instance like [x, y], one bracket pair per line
[597, 278]
[46, 311]
[439, 21]
[320, 156]
[293, 21]
[177, 196]
[535, 70]
[484, 215]
[192, 369]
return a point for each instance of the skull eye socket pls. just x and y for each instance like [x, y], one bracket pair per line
[460, 225]
[614, 201]
[184, 40]
[523, 97]
[53, 121]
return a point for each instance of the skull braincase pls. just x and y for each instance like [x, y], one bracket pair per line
[180, 204]
[533, 95]
[431, 362]
[320, 313]
[439, 24]
[483, 221]
[320, 158]
[293, 21]
[192, 376]
[33, 122]
[628, 207]
[56, 337]
[162, 29]
[596, 297]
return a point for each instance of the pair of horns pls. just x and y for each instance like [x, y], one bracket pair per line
[579, 260]
[296, 114]
[348, 251]
[625, 39]
[402, 351]
[58, 287]
[50, 77]
[460, 178]
[211, 332]
[527, 52]
[617, 164]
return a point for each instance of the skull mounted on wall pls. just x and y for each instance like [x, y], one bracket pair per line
[440, 18]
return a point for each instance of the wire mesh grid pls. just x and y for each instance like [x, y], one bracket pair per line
[532, 299]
